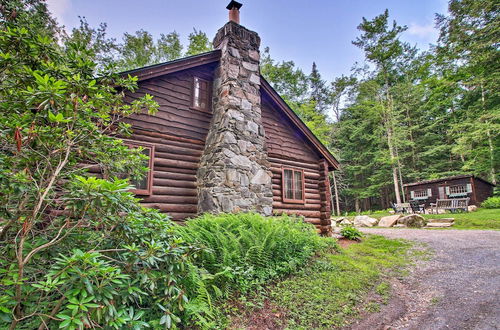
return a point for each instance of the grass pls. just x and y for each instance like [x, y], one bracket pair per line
[480, 219]
[328, 293]
[485, 219]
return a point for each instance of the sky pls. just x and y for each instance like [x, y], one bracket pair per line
[303, 31]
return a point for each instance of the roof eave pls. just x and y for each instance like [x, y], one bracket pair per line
[185, 63]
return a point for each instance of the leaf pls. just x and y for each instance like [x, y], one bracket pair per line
[65, 323]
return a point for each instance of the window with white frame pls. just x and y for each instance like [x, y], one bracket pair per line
[201, 94]
[458, 189]
[421, 193]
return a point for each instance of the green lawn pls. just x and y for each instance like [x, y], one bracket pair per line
[329, 293]
[480, 219]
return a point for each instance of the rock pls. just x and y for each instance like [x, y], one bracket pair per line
[447, 220]
[413, 220]
[399, 225]
[337, 220]
[472, 208]
[439, 225]
[364, 221]
[391, 212]
[345, 222]
[389, 221]
[261, 177]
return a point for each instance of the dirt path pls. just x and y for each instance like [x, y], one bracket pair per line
[459, 288]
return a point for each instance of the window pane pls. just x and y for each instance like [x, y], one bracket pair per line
[143, 183]
[298, 185]
[288, 177]
[196, 92]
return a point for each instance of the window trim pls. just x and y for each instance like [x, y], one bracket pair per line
[424, 193]
[151, 147]
[461, 186]
[293, 200]
[209, 96]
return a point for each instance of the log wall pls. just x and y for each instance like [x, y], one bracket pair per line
[178, 134]
[287, 147]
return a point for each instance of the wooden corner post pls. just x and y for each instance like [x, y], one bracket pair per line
[325, 196]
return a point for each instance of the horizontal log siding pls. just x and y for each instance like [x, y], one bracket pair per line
[178, 134]
[287, 147]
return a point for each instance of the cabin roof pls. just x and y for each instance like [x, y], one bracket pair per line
[185, 63]
[455, 177]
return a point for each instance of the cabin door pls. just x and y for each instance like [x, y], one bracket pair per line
[441, 191]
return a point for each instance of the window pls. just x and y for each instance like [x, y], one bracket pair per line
[458, 189]
[201, 94]
[145, 185]
[293, 185]
[421, 194]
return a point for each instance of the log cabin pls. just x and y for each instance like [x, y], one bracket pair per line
[459, 186]
[223, 140]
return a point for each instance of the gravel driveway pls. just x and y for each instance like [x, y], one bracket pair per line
[459, 288]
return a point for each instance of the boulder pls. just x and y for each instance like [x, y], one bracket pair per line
[413, 220]
[345, 222]
[472, 208]
[364, 221]
[399, 225]
[389, 221]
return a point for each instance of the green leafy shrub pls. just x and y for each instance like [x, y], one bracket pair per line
[76, 251]
[118, 265]
[351, 233]
[491, 203]
[246, 250]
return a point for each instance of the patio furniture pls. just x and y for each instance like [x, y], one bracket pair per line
[401, 207]
[452, 204]
[416, 207]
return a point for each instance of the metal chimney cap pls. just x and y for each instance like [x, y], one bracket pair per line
[234, 4]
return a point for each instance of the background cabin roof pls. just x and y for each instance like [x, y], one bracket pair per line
[185, 63]
[455, 177]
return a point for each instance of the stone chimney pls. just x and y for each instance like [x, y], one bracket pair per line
[234, 172]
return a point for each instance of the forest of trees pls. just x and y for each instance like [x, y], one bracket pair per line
[402, 115]
[405, 114]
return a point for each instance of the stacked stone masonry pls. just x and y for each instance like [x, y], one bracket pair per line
[234, 173]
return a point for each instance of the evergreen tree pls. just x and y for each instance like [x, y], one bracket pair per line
[319, 90]
[469, 42]
[382, 47]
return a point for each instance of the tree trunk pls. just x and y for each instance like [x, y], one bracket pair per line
[490, 143]
[394, 167]
[492, 159]
[356, 205]
[337, 205]
[390, 144]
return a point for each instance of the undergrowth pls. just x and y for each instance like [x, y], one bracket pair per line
[328, 293]
[241, 253]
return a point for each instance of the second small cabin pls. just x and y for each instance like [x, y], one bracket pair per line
[460, 186]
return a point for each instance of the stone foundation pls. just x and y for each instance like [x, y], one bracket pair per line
[234, 172]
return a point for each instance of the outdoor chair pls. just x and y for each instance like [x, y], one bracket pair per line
[416, 207]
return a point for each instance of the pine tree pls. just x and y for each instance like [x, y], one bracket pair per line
[469, 42]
